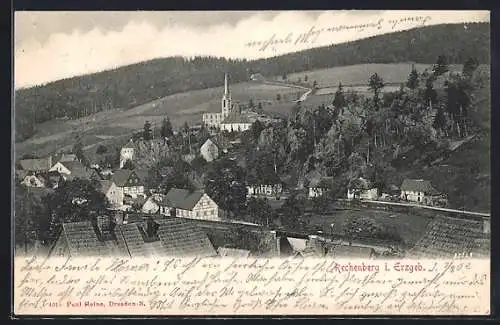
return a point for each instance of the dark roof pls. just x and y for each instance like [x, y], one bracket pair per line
[418, 185]
[134, 240]
[183, 199]
[236, 118]
[446, 237]
[142, 173]
[82, 239]
[39, 164]
[181, 237]
[121, 176]
[360, 183]
[316, 179]
[105, 185]
[78, 170]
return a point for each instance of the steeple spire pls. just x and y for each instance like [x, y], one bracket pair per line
[226, 86]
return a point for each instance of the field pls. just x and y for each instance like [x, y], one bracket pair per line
[409, 226]
[358, 75]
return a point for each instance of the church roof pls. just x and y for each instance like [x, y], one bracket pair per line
[236, 118]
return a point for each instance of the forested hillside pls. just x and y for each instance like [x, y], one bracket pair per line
[129, 86]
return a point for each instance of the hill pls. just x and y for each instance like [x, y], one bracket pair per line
[127, 87]
[115, 126]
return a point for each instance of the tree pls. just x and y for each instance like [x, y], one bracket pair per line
[76, 200]
[224, 183]
[315, 84]
[441, 66]
[413, 81]
[470, 66]
[278, 97]
[259, 211]
[250, 103]
[284, 76]
[339, 100]
[101, 149]
[166, 130]
[439, 122]
[30, 220]
[78, 148]
[306, 77]
[291, 210]
[376, 83]
[147, 133]
[259, 107]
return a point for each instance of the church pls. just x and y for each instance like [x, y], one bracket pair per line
[229, 119]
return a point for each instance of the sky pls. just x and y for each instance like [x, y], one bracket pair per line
[49, 46]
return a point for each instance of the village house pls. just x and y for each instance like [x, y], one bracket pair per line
[74, 169]
[209, 150]
[421, 191]
[112, 193]
[127, 153]
[156, 204]
[129, 182]
[266, 185]
[33, 180]
[317, 184]
[361, 189]
[191, 204]
[153, 238]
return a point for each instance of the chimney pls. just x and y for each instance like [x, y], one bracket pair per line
[104, 224]
[151, 228]
[486, 225]
[276, 241]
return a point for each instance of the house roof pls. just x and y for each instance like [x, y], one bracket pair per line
[209, 142]
[82, 239]
[38, 164]
[418, 185]
[316, 179]
[105, 185]
[183, 199]
[232, 252]
[135, 241]
[445, 237]
[181, 237]
[297, 244]
[236, 118]
[121, 176]
[360, 183]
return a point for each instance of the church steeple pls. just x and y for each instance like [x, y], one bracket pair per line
[226, 86]
[226, 99]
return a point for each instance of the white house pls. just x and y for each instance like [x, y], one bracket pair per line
[361, 189]
[113, 193]
[126, 153]
[264, 189]
[317, 184]
[191, 204]
[209, 150]
[32, 180]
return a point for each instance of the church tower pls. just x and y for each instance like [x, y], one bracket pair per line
[226, 99]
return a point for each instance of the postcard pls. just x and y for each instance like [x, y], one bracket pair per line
[251, 163]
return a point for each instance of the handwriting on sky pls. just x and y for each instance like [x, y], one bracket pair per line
[274, 286]
[312, 35]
